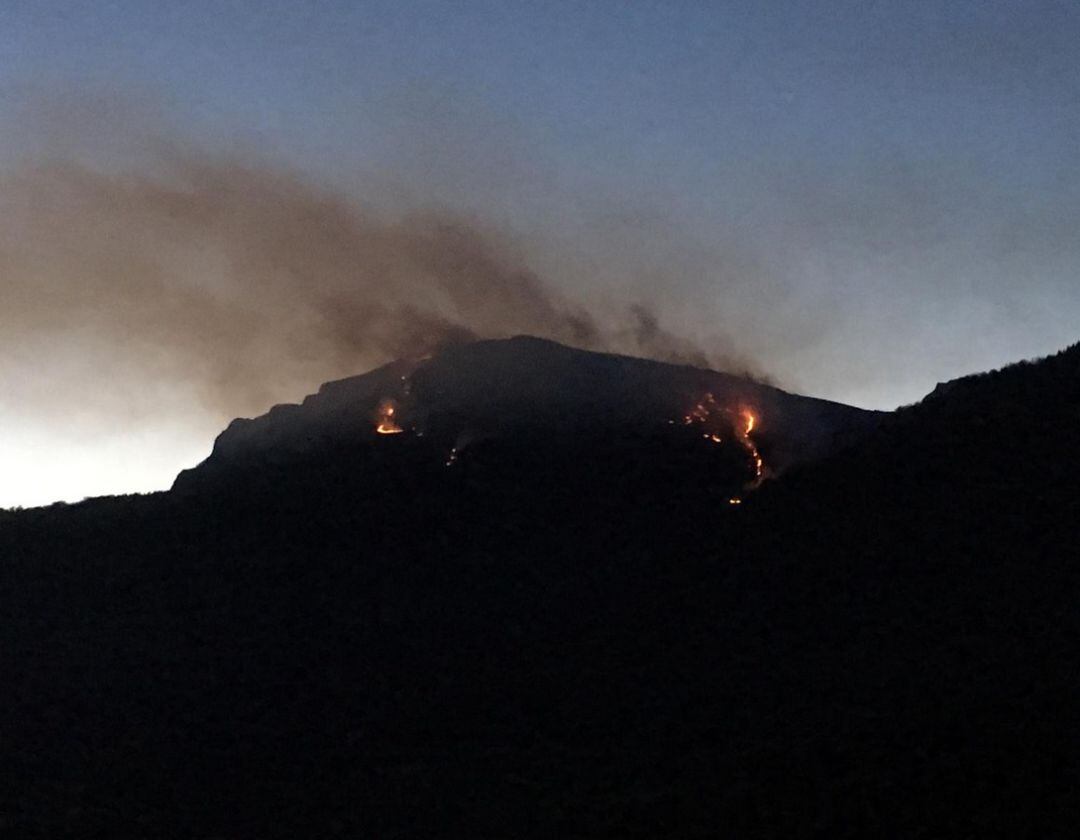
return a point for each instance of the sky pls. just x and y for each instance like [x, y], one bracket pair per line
[855, 199]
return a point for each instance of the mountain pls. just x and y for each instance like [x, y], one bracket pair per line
[568, 630]
[492, 391]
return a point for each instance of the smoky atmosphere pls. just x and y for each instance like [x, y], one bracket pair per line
[553, 419]
[209, 209]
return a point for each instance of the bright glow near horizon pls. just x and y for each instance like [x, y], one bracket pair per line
[862, 199]
[40, 466]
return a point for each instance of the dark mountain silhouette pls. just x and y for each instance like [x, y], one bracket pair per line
[568, 631]
[490, 391]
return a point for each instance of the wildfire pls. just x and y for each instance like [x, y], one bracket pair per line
[705, 414]
[386, 424]
[701, 412]
[751, 447]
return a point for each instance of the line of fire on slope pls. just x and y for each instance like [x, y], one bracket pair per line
[547, 408]
[707, 414]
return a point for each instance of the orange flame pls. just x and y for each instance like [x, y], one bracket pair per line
[385, 416]
[751, 447]
[703, 413]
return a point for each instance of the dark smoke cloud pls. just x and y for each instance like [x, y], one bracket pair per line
[248, 285]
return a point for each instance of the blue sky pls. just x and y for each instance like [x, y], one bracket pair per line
[870, 197]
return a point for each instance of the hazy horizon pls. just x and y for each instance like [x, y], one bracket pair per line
[212, 208]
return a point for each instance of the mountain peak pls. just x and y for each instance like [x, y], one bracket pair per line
[501, 387]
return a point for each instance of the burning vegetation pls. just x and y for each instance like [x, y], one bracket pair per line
[717, 420]
[729, 427]
[759, 464]
[384, 419]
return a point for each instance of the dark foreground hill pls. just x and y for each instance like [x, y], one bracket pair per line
[568, 631]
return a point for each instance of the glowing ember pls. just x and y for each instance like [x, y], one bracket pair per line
[386, 425]
[759, 464]
[701, 412]
[708, 413]
[734, 500]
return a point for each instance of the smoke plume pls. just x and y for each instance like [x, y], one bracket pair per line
[247, 285]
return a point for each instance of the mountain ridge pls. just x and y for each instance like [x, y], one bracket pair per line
[551, 637]
[502, 386]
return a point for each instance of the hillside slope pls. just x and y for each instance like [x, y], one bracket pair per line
[493, 390]
[565, 633]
